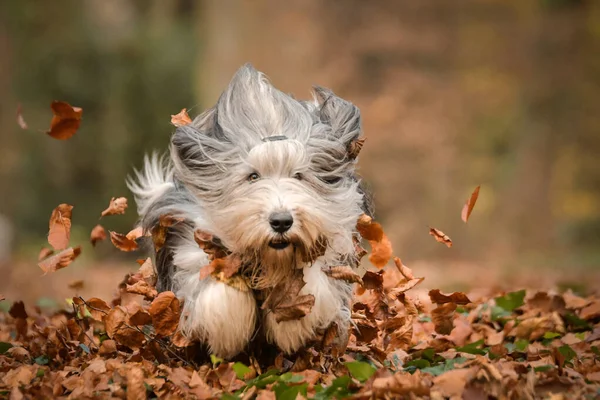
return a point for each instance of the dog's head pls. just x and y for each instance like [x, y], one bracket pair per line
[275, 175]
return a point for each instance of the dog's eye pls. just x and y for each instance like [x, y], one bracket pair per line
[253, 177]
[331, 180]
[298, 176]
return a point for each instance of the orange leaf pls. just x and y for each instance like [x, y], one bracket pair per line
[66, 120]
[355, 147]
[122, 242]
[142, 288]
[457, 297]
[181, 119]
[228, 266]
[135, 233]
[45, 252]
[76, 285]
[98, 234]
[117, 206]
[159, 231]
[165, 312]
[381, 247]
[60, 260]
[443, 317]
[440, 236]
[468, 207]
[97, 307]
[20, 119]
[60, 227]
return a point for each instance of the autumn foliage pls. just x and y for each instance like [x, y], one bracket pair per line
[515, 345]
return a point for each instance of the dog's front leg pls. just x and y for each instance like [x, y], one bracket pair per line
[219, 315]
[332, 304]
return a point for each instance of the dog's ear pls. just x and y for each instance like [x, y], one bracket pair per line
[343, 117]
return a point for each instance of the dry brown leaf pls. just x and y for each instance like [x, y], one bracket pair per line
[440, 236]
[226, 267]
[136, 390]
[402, 383]
[116, 325]
[381, 247]
[117, 205]
[344, 273]
[97, 308]
[76, 285]
[60, 260]
[403, 269]
[355, 147]
[452, 383]
[165, 312]
[60, 227]
[135, 233]
[181, 119]
[590, 311]
[20, 119]
[296, 309]
[147, 272]
[285, 301]
[180, 340]
[210, 245]
[107, 347]
[373, 280]
[140, 317]
[114, 320]
[122, 242]
[142, 288]
[443, 317]
[45, 252]
[98, 234]
[159, 231]
[66, 120]
[20, 376]
[457, 297]
[468, 207]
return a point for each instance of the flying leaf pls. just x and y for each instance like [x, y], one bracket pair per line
[285, 301]
[457, 297]
[211, 245]
[381, 247]
[98, 234]
[20, 119]
[122, 242]
[60, 227]
[343, 273]
[159, 231]
[45, 252]
[117, 205]
[76, 285]
[60, 260]
[468, 207]
[443, 317]
[440, 236]
[181, 119]
[165, 312]
[294, 309]
[66, 120]
[355, 147]
[403, 269]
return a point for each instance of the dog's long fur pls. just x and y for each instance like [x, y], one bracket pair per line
[205, 180]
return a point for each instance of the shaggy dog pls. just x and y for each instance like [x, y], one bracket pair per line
[272, 180]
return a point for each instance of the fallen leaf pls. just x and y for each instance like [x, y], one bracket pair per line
[468, 207]
[45, 252]
[452, 383]
[457, 297]
[591, 311]
[60, 260]
[136, 390]
[66, 120]
[142, 288]
[443, 317]
[117, 205]
[98, 234]
[343, 273]
[181, 119]
[60, 227]
[165, 312]
[97, 308]
[116, 324]
[381, 247]
[107, 347]
[140, 317]
[440, 236]
[20, 119]
[122, 242]
[402, 383]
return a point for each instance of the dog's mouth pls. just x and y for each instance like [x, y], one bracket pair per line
[279, 244]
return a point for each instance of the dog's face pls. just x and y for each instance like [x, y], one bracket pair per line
[275, 175]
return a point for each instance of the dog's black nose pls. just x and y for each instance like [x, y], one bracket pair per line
[281, 221]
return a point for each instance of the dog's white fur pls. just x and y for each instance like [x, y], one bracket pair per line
[205, 181]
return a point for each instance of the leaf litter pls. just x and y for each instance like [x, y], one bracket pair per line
[520, 344]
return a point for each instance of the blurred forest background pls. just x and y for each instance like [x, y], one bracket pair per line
[454, 94]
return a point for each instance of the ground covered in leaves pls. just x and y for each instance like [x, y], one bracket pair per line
[512, 345]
